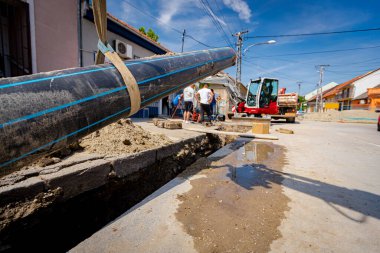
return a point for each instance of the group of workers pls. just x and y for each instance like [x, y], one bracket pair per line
[196, 103]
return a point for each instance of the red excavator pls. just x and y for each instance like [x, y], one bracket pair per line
[264, 98]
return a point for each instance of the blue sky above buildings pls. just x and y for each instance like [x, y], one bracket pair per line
[291, 59]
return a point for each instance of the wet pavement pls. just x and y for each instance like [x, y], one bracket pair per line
[229, 202]
[237, 205]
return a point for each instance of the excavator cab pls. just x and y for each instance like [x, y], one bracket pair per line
[262, 96]
[261, 92]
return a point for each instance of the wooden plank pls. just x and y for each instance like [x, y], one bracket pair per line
[245, 135]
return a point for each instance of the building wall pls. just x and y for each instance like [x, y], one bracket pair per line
[375, 104]
[311, 106]
[223, 104]
[324, 88]
[56, 34]
[366, 82]
[374, 98]
[330, 98]
[90, 41]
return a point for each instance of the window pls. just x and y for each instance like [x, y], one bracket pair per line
[252, 92]
[15, 51]
[268, 92]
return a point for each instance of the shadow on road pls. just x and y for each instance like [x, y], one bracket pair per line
[366, 203]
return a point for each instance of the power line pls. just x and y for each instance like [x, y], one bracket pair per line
[355, 63]
[351, 72]
[200, 42]
[208, 10]
[320, 52]
[221, 13]
[312, 34]
[172, 28]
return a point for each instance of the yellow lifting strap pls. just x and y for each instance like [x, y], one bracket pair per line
[104, 49]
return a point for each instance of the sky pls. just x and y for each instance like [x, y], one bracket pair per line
[290, 59]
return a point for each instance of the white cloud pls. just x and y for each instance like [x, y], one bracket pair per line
[241, 7]
[169, 9]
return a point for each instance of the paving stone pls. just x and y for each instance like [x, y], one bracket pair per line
[173, 125]
[157, 120]
[124, 165]
[79, 178]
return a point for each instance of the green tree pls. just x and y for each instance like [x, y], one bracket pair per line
[301, 101]
[151, 34]
[142, 29]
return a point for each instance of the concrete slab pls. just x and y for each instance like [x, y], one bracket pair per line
[79, 178]
[150, 226]
[21, 190]
[125, 165]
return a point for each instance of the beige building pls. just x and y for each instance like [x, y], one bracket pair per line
[227, 91]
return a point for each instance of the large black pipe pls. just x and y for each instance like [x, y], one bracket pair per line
[44, 112]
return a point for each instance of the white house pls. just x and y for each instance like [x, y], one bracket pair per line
[326, 87]
[368, 81]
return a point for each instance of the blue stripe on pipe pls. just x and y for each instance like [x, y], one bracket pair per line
[91, 125]
[40, 113]
[3, 86]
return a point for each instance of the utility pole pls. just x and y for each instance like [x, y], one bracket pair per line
[183, 39]
[239, 45]
[299, 88]
[299, 94]
[319, 102]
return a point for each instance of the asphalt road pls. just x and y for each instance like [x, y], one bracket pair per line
[333, 182]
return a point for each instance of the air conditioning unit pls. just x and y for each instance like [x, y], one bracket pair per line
[123, 49]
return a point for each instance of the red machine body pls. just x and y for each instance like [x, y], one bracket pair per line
[264, 97]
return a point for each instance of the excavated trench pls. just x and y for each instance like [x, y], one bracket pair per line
[58, 226]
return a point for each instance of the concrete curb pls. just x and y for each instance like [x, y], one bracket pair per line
[84, 172]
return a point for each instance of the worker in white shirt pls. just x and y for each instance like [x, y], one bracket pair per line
[188, 97]
[204, 96]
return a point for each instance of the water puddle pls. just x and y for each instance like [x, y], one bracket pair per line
[238, 203]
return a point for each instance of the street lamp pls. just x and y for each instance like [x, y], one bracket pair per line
[260, 43]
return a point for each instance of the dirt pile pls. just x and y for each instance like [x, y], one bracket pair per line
[120, 138]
